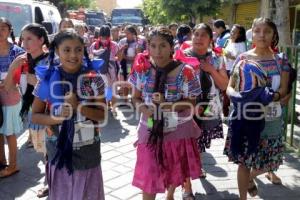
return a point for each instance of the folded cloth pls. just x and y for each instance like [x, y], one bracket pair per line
[247, 119]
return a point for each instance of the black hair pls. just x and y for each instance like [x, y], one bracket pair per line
[68, 34]
[163, 32]
[207, 29]
[131, 29]
[104, 31]
[7, 22]
[37, 30]
[97, 33]
[242, 33]
[66, 20]
[272, 25]
[219, 23]
[108, 24]
[292, 77]
[156, 136]
[182, 32]
[192, 25]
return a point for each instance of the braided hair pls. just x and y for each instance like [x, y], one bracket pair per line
[156, 137]
[205, 79]
[103, 32]
[39, 31]
[67, 34]
[63, 156]
[183, 32]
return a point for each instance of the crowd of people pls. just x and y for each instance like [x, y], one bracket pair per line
[184, 81]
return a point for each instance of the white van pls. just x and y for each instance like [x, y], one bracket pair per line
[23, 12]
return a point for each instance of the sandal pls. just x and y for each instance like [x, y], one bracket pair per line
[8, 171]
[274, 179]
[188, 196]
[252, 189]
[203, 173]
[43, 192]
[114, 114]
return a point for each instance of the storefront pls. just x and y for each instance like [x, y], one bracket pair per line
[246, 12]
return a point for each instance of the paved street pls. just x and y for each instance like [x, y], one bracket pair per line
[118, 160]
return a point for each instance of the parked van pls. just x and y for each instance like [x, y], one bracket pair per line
[120, 16]
[23, 12]
[95, 18]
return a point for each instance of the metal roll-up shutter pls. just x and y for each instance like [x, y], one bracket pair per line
[246, 12]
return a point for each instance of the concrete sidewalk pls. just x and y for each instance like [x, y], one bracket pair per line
[118, 160]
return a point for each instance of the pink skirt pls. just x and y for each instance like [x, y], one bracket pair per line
[181, 160]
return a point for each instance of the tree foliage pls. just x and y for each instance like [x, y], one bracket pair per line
[70, 4]
[154, 11]
[160, 11]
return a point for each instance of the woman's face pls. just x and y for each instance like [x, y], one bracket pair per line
[32, 43]
[129, 35]
[173, 30]
[115, 33]
[104, 38]
[219, 30]
[80, 30]
[160, 51]
[70, 53]
[65, 24]
[4, 32]
[201, 39]
[234, 33]
[262, 35]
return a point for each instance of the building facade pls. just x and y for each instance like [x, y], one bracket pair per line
[107, 5]
[244, 11]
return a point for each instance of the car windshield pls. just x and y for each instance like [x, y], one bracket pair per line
[18, 14]
[136, 12]
[126, 19]
[94, 21]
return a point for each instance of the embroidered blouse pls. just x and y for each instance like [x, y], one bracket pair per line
[185, 84]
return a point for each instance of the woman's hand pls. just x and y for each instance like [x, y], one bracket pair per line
[207, 67]
[124, 47]
[66, 111]
[158, 98]
[18, 61]
[71, 98]
[285, 100]
[229, 55]
[31, 79]
[148, 112]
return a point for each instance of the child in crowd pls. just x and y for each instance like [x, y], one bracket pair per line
[72, 141]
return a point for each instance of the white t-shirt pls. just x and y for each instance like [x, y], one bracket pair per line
[249, 35]
[234, 49]
[131, 51]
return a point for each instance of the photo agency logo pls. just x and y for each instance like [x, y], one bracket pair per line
[186, 108]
